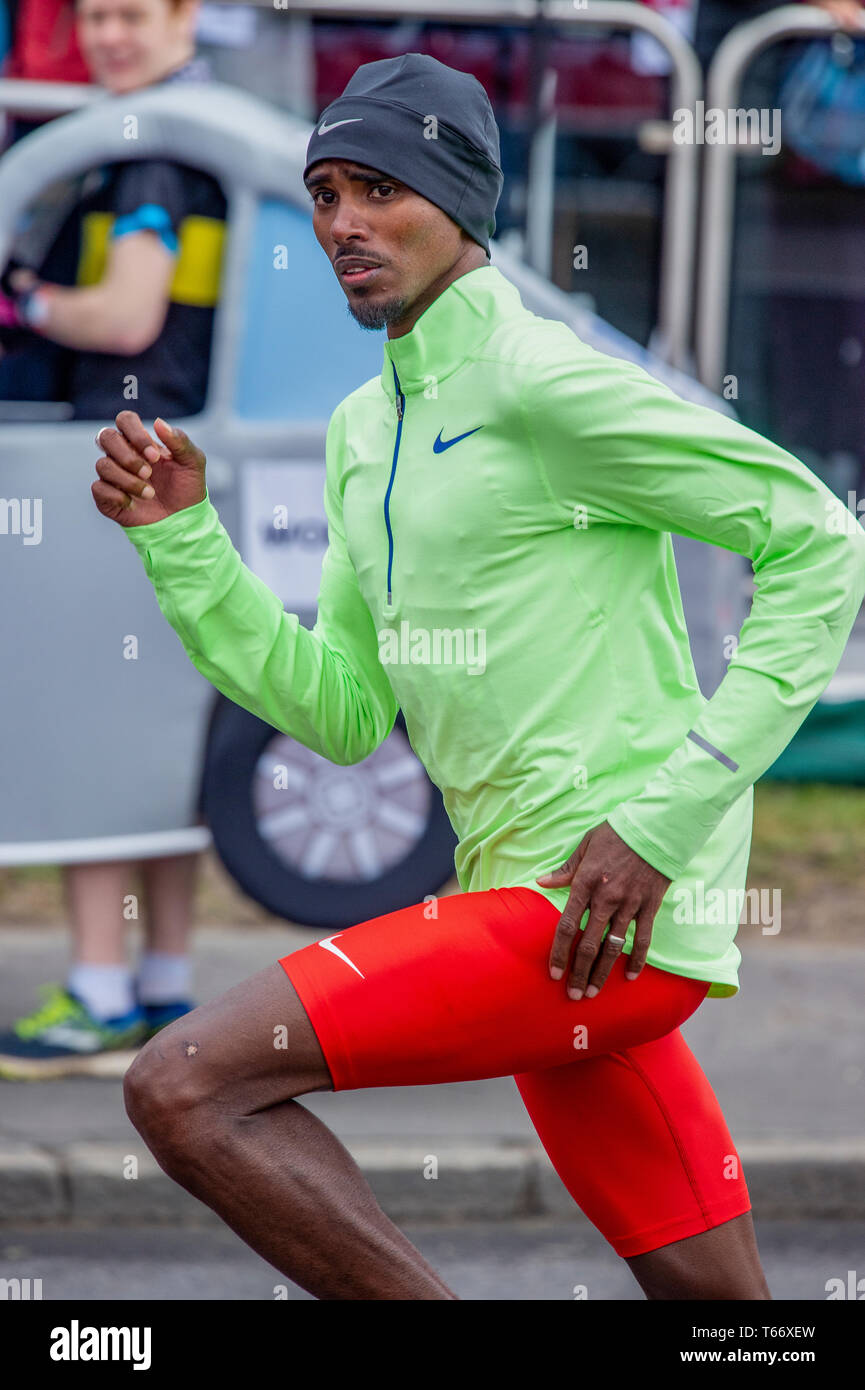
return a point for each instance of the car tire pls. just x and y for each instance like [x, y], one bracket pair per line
[345, 843]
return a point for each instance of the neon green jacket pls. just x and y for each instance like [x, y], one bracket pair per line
[500, 565]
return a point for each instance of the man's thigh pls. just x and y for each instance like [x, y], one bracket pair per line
[460, 990]
[251, 1048]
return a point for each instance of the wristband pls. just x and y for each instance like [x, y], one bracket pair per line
[34, 306]
[10, 314]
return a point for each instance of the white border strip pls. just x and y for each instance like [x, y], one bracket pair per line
[151, 846]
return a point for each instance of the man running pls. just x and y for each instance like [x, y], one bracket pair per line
[500, 487]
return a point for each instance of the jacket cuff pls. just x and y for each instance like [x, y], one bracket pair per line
[647, 849]
[199, 518]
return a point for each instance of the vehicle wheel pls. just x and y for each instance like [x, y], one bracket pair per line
[316, 843]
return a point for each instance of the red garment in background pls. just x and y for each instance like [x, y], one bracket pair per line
[45, 47]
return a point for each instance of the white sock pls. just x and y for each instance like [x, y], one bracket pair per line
[106, 990]
[162, 979]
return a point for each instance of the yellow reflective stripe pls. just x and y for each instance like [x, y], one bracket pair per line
[93, 257]
[199, 262]
[199, 257]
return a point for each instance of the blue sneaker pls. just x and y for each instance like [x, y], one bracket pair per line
[158, 1015]
[62, 1038]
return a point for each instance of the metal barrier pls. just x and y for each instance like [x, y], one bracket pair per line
[723, 89]
[45, 98]
[678, 233]
[814, 747]
[681, 254]
[670, 339]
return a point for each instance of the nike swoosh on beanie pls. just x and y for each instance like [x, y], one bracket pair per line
[426, 124]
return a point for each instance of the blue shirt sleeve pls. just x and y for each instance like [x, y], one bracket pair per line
[151, 195]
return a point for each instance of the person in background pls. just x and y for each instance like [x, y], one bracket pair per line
[43, 47]
[147, 241]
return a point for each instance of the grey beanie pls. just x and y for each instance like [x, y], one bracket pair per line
[383, 120]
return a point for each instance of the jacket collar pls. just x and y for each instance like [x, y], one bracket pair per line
[449, 331]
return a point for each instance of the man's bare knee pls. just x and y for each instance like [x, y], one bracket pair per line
[157, 1092]
[249, 1049]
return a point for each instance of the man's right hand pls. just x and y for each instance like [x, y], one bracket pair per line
[144, 480]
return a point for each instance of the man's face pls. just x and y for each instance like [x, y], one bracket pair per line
[363, 218]
[128, 44]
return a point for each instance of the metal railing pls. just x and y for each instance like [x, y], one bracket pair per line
[45, 98]
[723, 91]
[682, 257]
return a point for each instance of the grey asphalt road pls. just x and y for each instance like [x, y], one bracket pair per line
[513, 1261]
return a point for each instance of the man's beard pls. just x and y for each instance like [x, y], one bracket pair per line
[379, 314]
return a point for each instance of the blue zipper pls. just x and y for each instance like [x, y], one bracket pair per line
[400, 407]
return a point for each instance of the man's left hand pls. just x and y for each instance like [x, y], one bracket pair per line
[619, 887]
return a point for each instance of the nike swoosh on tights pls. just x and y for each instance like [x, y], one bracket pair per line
[329, 946]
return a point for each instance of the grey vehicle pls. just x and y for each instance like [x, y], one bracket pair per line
[112, 745]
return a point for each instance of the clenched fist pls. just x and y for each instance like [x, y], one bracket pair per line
[142, 480]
